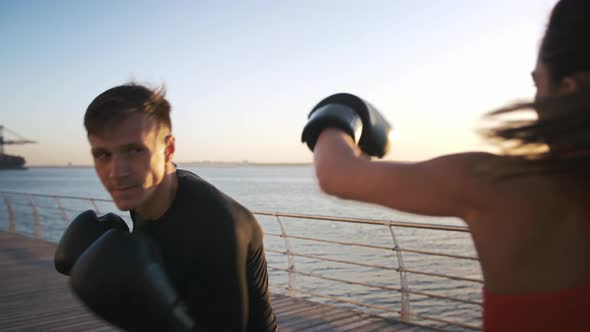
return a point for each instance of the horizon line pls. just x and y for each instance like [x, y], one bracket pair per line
[190, 163]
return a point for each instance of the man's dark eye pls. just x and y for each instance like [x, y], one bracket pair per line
[101, 155]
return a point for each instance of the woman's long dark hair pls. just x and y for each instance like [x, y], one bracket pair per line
[565, 48]
[558, 140]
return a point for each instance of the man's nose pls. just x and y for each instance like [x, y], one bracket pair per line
[119, 167]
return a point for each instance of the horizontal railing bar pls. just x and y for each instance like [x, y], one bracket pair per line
[396, 269]
[367, 221]
[372, 246]
[44, 207]
[336, 279]
[58, 196]
[48, 216]
[377, 286]
[124, 216]
[389, 268]
[386, 309]
[432, 253]
[440, 275]
[292, 215]
[77, 210]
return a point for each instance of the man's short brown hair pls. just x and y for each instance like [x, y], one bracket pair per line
[122, 101]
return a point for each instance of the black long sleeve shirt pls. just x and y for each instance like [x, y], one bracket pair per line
[212, 251]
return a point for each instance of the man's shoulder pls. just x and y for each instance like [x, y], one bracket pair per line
[195, 190]
[186, 175]
[190, 184]
[215, 209]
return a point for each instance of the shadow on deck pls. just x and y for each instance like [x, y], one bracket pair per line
[34, 297]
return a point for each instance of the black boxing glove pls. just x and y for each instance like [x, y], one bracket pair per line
[80, 234]
[122, 279]
[353, 115]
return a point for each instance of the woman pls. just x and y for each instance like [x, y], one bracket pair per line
[528, 210]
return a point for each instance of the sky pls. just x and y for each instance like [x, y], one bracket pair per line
[243, 75]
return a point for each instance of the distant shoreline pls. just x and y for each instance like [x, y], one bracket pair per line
[194, 163]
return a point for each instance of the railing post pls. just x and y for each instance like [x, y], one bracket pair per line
[290, 258]
[37, 228]
[63, 210]
[405, 296]
[12, 222]
[95, 206]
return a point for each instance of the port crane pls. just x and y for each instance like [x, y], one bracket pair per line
[3, 141]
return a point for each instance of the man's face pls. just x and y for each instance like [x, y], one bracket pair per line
[130, 159]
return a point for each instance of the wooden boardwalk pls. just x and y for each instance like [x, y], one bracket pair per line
[33, 297]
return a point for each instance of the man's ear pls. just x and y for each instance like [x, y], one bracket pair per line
[170, 142]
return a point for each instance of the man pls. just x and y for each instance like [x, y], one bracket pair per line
[209, 245]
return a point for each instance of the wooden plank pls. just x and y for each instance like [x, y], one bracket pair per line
[34, 297]
[304, 323]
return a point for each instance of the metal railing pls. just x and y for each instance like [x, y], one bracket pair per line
[34, 208]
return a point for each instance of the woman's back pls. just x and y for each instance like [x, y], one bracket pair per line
[531, 232]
